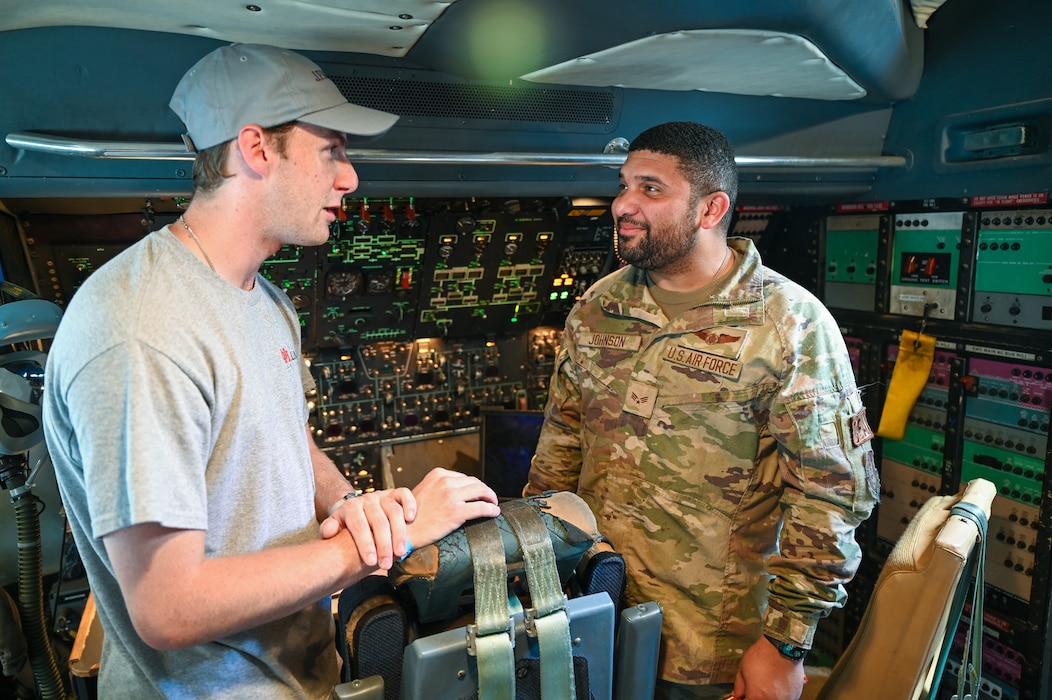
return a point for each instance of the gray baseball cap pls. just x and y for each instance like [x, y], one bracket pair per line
[256, 84]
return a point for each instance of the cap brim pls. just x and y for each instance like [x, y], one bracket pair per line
[361, 124]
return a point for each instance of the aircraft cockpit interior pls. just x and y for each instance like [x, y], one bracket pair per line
[893, 160]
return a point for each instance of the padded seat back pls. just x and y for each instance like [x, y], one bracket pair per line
[901, 645]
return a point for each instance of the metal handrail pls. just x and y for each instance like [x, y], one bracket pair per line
[145, 150]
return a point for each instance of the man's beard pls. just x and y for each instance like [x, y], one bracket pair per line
[669, 247]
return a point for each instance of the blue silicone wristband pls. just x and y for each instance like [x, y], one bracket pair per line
[408, 549]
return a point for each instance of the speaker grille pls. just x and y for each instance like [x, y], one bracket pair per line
[481, 102]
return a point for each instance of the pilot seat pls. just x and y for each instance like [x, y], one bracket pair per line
[525, 605]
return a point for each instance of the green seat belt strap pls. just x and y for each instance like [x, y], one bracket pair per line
[548, 619]
[493, 634]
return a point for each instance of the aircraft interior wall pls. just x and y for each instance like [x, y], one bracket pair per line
[442, 291]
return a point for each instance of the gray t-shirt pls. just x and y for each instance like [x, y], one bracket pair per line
[172, 396]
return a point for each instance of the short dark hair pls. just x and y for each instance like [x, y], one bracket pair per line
[208, 173]
[705, 156]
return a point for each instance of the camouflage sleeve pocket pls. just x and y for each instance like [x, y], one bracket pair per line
[816, 420]
[829, 464]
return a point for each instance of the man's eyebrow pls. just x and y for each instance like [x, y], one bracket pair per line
[644, 178]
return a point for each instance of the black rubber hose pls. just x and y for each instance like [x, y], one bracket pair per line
[31, 601]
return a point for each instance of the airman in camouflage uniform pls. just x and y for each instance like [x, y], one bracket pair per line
[724, 452]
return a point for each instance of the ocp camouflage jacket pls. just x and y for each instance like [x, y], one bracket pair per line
[724, 452]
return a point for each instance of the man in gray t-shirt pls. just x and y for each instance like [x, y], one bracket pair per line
[212, 528]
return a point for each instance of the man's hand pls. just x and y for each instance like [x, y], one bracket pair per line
[765, 674]
[445, 500]
[377, 522]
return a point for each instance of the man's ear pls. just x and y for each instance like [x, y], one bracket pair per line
[712, 208]
[254, 148]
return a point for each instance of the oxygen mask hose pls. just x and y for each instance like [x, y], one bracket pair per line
[23, 322]
[31, 579]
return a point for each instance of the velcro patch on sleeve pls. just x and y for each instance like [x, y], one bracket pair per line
[861, 433]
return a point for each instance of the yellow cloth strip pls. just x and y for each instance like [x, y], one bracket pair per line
[912, 369]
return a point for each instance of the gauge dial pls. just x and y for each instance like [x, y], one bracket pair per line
[343, 283]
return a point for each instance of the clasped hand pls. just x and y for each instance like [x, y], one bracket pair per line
[383, 523]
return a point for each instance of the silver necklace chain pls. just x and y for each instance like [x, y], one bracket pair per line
[202, 248]
[714, 277]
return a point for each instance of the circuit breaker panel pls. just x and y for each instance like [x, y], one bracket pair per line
[976, 276]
